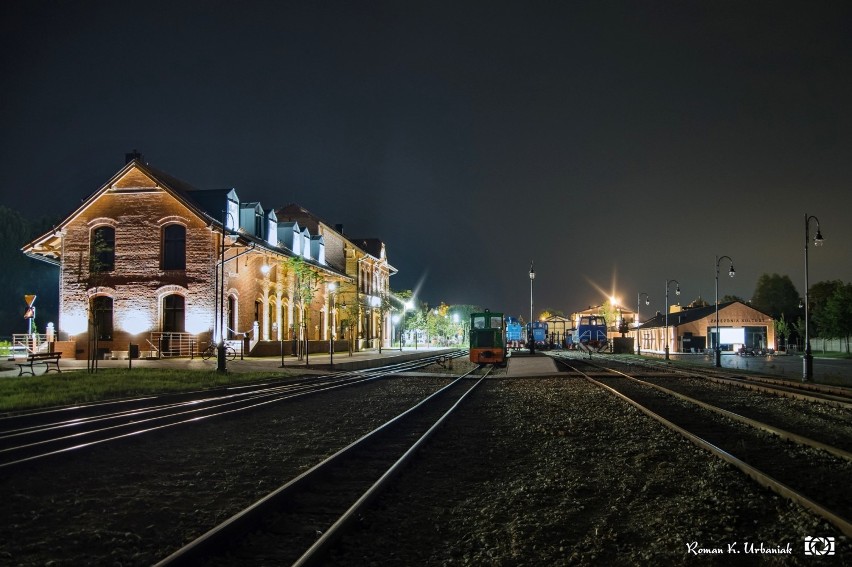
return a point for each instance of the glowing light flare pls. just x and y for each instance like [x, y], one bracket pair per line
[135, 321]
[75, 324]
[196, 323]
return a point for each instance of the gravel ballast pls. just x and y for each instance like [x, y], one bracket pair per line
[549, 471]
[558, 472]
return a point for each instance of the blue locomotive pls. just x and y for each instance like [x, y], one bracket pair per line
[591, 333]
[515, 338]
[539, 334]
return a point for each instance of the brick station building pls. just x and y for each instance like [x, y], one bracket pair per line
[141, 262]
[694, 329]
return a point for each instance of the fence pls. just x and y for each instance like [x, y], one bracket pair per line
[24, 344]
[829, 345]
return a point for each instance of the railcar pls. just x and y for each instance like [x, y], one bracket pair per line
[514, 334]
[539, 334]
[591, 333]
[487, 338]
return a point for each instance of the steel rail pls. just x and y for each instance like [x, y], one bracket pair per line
[782, 433]
[155, 423]
[820, 393]
[845, 526]
[243, 522]
[321, 547]
[233, 393]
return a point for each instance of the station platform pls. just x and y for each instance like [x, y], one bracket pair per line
[527, 366]
[315, 363]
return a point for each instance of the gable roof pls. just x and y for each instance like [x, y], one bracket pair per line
[690, 315]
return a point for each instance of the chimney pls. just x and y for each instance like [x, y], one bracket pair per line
[134, 155]
[339, 228]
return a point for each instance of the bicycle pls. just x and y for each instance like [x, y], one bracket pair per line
[210, 351]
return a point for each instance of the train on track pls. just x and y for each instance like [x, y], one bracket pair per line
[487, 338]
[516, 335]
[591, 333]
[539, 335]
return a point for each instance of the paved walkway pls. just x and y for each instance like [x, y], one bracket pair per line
[316, 362]
[524, 365]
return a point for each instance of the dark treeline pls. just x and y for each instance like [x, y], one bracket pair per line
[25, 276]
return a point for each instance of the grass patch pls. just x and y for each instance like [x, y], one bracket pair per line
[839, 355]
[48, 390]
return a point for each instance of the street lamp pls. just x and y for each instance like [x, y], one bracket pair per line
[331, 287]
[407, 306]
[531, 338]
[808, 359]
[221, 364]
[677, 292]
[718, 349]
[638, 301]
[395, 321]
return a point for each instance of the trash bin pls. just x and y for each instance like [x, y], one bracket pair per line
[134, 351]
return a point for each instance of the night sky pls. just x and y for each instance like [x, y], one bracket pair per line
[618, 144]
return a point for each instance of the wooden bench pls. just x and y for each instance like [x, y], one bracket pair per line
[46, 358]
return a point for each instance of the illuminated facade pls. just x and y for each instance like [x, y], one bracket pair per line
[694, 329]
[150, 260]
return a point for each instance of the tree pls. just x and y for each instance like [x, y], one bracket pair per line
[22, 275]
[838, 314]
[776, 295]
[306, 282]
[782, 328]
[609, 312]
[818, 297]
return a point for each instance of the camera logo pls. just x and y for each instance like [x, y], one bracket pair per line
[819, 545]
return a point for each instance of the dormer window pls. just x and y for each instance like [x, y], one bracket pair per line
[232, 217]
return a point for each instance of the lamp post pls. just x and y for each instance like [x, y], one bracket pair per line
[638, 301]
[531, 337]
[331, 287]
[718, 349]
[221, 364]
[275, 329]
[808, 359]
[408, 305]
[677, 292]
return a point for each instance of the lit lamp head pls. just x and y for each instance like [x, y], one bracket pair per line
[732, 273]
[647, 301]
[265, 268]
[818, 241]
[677, 289]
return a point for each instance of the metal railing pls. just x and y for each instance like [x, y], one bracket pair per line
[173, 344]
[24, 344]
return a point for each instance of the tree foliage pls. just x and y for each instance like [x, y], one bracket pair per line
[837, 314]
[23, 276]
[776, 295]
[821, 321]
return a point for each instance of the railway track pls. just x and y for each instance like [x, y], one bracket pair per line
[297, 523]
[814, 474]
[833, 395]
[36, 435]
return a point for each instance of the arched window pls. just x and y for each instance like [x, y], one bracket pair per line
[173, 314]
[174, 247]
[232, 316]
[102, 317]
[102, 249]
